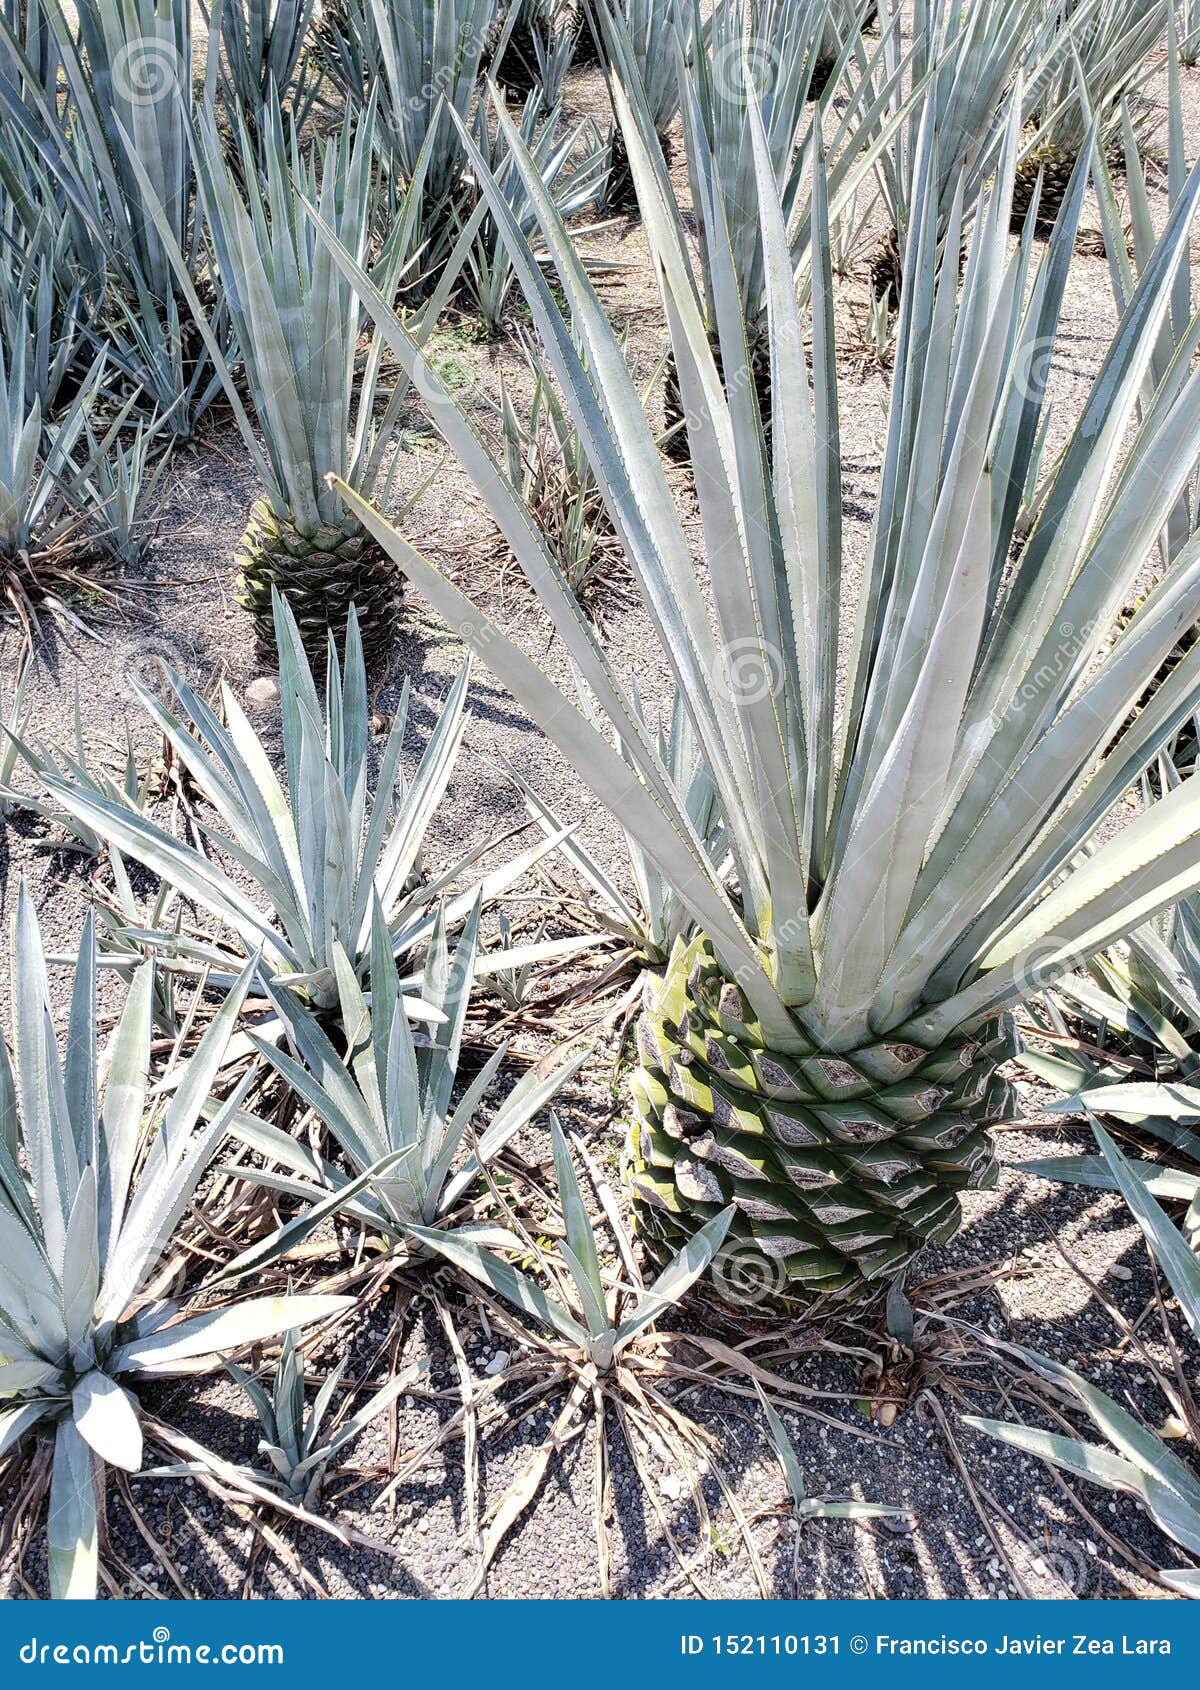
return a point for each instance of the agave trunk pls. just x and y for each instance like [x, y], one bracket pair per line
[840, 1168]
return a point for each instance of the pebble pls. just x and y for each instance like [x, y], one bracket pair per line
[1116, 1271]
[262, 693]
[498, 1363]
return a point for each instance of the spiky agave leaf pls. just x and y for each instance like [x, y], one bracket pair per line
[91, 1191]
[905, 866]
[1132, 1459]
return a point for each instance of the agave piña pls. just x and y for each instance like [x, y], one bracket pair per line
[90, 1194]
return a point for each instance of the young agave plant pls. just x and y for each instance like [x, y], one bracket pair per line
[387, 1101]
[766, 49]
[547, 465]
[45, 520]
[962, 61]
[42, 760]
[296, 1440]
[1141, 1009]
[574, 175]
[262, 42]
[298, 325]
[90, 1193]
[539, 48]
[421, 61]
[1140, 1062]
[593, 1320]
[804, 1506]
[12, 725]
[103, 93]
[657, 35]
[823, 1055]
[320, 851]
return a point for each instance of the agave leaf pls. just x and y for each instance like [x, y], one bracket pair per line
[508, 1282]
[1165, 1242]
[224, 1329]
[106, 1418]
[678, 1276]
[71, 1531]
[1177, 1518]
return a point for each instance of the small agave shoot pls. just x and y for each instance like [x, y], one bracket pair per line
[91, 1190]
[574, 173]
[590, 1316]
[823, 1056]
[321, 851]
[47, 525]
[387, 1101]
[805, 1507]
[301, 1442]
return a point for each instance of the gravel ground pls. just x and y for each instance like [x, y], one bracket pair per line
[981, 1520]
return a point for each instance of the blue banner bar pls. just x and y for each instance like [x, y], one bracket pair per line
[581, 1645]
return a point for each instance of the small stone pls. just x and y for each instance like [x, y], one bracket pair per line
[498, 1363]
[263, 693]
[671, 1486]
[1116, 1271]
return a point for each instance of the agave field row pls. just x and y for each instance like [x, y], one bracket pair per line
[604, 1052]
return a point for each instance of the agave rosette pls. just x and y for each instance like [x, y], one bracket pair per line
[322, 848]
[90, 1195]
